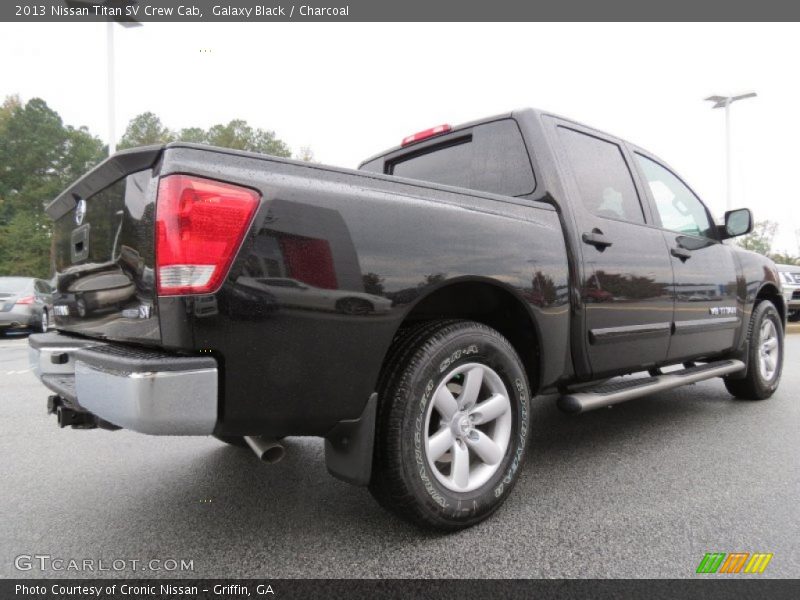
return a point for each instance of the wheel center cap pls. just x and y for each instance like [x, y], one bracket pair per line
[462, 424]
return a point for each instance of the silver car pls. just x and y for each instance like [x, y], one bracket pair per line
[790, 276]
[25, 304]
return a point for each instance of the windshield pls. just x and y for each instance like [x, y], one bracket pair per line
[13, 285]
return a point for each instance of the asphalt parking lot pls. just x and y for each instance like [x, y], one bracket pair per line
[643, 489]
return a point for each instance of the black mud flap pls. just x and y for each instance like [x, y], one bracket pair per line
[348, 446]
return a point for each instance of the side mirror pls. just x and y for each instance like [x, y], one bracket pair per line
[738, 222]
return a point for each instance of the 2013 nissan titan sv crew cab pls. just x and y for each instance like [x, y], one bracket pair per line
[407, 312]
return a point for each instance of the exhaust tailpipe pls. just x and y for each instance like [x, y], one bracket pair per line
[74, 418]
[269, 450]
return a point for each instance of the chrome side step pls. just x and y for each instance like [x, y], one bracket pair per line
[622, 391]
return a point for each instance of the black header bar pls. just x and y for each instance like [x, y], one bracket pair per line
[704, 587]
[144, 11]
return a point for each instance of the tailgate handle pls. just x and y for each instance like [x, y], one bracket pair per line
[79, 243]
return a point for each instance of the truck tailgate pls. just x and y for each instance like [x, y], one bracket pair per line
[103, 251]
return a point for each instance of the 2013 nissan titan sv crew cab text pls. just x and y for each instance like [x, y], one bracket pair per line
[407, 312]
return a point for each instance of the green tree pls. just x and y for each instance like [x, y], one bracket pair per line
[760, 239]
[239, 135]
[785, 259]
[373, 283]
[7, 108]
[306, 154]
[144, 130]
[195, 135]
[147, 128]
[39, 157]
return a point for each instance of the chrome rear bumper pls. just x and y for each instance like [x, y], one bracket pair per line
[143, 390]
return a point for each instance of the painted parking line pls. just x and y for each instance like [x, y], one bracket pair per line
[18, 372]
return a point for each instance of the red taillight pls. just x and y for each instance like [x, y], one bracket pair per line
[200, 224]
[26, 300]
[424, 135]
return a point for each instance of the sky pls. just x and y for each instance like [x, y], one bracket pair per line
[350, 90]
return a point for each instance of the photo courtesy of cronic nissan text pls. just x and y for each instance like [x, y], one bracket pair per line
[378, 299]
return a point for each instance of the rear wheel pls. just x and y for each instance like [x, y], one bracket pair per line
[45, 322]
[452, 425]
[354, 306]
[765, 355]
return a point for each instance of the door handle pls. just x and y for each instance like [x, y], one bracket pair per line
[681, 253]
[597, 239]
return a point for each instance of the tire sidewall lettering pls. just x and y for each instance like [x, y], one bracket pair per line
[482, 353]
[419, 452]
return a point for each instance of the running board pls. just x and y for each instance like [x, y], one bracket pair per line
[621, 391]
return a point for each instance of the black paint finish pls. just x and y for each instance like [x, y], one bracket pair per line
[336, 261]
[345, 257]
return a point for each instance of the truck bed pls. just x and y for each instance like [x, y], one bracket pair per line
[333, 261]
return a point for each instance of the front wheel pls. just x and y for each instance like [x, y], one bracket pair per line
[765, 355]
[452, 425]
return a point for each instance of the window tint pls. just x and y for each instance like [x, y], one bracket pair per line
[679, 209]
[604, 180]
[450, 165]
[13, 285]
[491, 158]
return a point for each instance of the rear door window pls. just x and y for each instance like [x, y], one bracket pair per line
[604, 180]
[488, 158]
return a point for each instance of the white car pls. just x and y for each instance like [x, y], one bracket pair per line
[290, 292]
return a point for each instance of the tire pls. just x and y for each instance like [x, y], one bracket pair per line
[437, 472]
[794, 316]
[44, 324]
[764, 355]
[354, 306]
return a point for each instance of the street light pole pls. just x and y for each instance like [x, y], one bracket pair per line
[725, 102]
[112, 134]
[125, 20]
[728, 174]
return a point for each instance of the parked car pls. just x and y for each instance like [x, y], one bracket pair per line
[790, 276]
[293, 293]
[524, 254]
[25, 304]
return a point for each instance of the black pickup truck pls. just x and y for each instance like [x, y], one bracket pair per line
[407, 312]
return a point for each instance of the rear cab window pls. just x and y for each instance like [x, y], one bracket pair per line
[490, 157]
